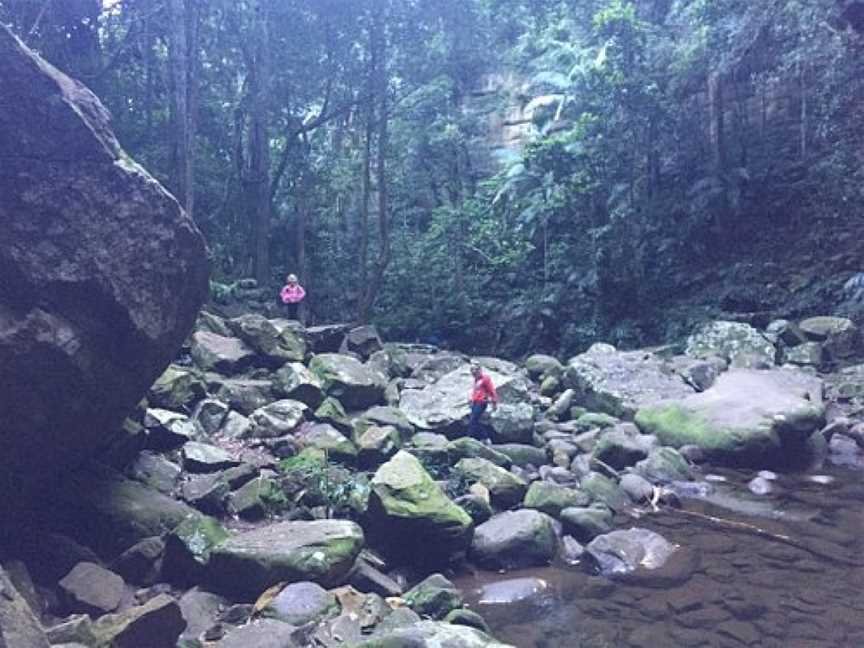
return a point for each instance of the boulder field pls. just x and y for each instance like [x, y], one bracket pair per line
[305, 494]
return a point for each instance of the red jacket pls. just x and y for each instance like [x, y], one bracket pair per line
[483, 390]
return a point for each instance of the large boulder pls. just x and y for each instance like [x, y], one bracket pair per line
[620, 382]
[322, 551]
[748, 417]
[119, 512]
[413, 516]
[270, 343]
[838, 335]
[225, 355]
[19, 628]
[443, 405]
[354, 384]
[740, 344]
[103, 273]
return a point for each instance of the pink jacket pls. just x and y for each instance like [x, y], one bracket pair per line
[292, 294]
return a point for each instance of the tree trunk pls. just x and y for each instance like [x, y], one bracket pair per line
[802, 81]
[177, 61]
[379, 63]
[717, 130]
[259, 146]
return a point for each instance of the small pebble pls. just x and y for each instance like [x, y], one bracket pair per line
[821, 479]
[767, 474]
[715, 478]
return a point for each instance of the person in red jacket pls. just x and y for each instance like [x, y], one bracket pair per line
[482, 394]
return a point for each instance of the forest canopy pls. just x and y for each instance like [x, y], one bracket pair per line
[498, 174]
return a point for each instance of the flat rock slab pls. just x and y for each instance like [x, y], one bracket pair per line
[443, 405]
[156, 624]
[92, 589]
[748, 417]
[322, 551]
[102, 273]
[621, 382]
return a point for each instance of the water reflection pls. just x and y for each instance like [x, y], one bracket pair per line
[745, 589]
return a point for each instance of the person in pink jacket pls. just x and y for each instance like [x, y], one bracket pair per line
[292, 294]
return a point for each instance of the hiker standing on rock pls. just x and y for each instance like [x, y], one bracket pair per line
[481, 394]
[292, 294]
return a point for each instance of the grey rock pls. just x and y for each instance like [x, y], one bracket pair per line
[523, 455]
[203, 457]
[140, 563]
[585, 523]
[298, 383]
[429, 634]
[269, 343]
[622, 446]
[92, 589]
[210, 414]
[434, 597]
[345, 378]
[362, 340]
[637, 487]
[740, 344]
[236, 426]
[277, 419]
[515, 539]
[19, 627]
[155, 471]
[839, 336]
[664, 465]
[157, 623]
[225, 355]
[505, 488]
[245, 395]
[301, 603]
[103, 274]
[167, 430]
[366, 578]
[513, 590]
[732, 426]
[322, 551]
[624, 551]
[200, 611]
[207, 493]
[619, 383]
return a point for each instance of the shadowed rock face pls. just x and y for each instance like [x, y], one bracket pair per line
[101, 273]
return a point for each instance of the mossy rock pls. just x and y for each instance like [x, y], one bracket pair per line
[406, 504]
[552, 498]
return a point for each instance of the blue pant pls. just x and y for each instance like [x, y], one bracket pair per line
[474, 428]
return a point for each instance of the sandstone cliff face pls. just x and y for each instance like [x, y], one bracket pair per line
[101, 273]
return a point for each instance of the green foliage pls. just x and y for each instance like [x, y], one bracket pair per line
[310, 480]
[620, 185]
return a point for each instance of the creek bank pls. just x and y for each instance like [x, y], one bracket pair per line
[304, 490]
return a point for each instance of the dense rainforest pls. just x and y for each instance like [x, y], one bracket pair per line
[499, 175]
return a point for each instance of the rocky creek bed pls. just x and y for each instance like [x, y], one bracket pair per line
[282, 486]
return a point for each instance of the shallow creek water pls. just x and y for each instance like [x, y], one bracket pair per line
[741, 588]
